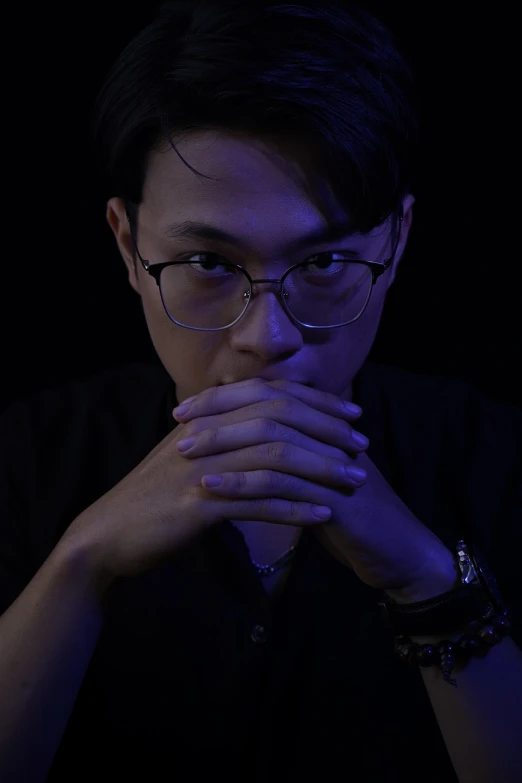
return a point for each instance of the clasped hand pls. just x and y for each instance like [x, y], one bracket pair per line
[298, 444]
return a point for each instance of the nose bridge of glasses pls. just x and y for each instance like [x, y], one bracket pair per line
[270, 281]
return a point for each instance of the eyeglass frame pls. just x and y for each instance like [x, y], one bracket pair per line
[376, 268]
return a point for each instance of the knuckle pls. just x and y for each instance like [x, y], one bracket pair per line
[267, 506]
[210, 396]
[278, 452]
[292, 483]
[260, 386]
[283, 406]
[295, 510]
[280, 383]
[270, 480]
[238, 480]
[267, 427]
[288, 435]
[211, 437]
[284, 482]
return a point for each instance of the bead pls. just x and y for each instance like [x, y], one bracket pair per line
[502, 623]
[470, 644]
[427, 655]
[490, 635]
[404, 652]
[479, 637]
[446, 647]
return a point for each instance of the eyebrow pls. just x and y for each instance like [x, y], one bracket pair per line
[190, 229]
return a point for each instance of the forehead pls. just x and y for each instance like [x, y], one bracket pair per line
[253, 186]
[249, 175]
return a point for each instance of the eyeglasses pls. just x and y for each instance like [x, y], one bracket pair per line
[213, 295]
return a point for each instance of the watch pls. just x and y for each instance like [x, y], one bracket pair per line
[477, 598]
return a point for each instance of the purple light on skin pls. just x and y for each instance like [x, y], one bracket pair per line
[228, 383]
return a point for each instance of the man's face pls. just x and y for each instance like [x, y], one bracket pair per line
[267, 200]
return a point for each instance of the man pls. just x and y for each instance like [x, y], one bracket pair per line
[197, 592]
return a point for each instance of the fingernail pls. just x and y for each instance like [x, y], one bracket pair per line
[352, 408]
[361, 440]
[181, 409]
[321, 512]
[212, 481]
[357, 474]
[185, 444]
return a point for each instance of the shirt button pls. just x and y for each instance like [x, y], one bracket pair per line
[258, 634]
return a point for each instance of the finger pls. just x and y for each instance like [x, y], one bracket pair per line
[266, 484]
[320, 400]
[231, 437]
[280, 459]
[276, 511]
[292, 413]
[222, 399]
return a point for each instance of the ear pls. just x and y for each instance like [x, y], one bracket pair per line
[407, 207]
[117, 220]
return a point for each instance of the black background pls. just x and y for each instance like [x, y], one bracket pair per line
[67, 308]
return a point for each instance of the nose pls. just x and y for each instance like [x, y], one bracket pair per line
[266, 329]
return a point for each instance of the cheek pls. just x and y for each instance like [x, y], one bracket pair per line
[191, 358]
[353, 343]
[373, 312]
[192, 362]
[158, 323]
[365, 329]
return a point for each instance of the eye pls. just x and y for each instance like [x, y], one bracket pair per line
[323, 262]
[212, 264]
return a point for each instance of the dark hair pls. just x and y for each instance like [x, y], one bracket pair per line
[330, 74]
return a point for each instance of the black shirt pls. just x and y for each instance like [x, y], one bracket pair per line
[197, 675]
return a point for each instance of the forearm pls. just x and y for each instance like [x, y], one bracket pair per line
[481, 719]
[47, 638]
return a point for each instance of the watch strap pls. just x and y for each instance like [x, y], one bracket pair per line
[445, 613]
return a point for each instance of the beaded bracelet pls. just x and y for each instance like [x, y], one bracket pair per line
[479, 637]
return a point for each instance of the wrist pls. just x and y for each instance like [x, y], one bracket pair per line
[80, 559]
[443, 578]
[447, 577]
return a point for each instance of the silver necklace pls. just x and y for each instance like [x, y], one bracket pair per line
[268, 570]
